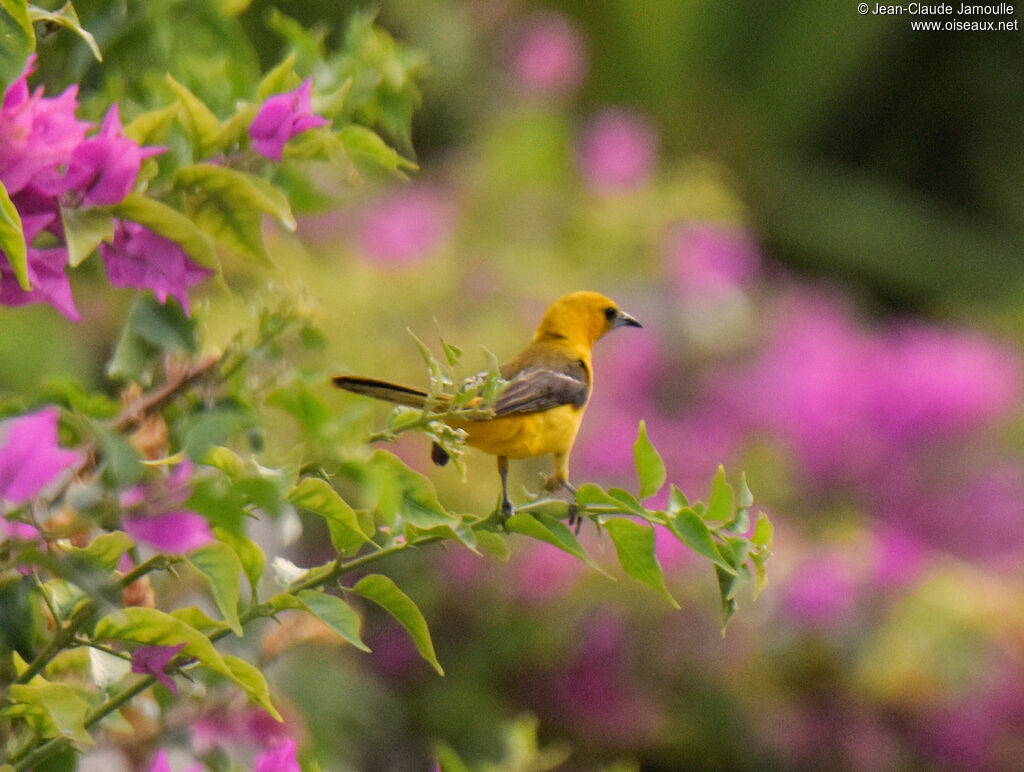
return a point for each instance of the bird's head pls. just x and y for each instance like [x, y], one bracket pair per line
[583, 317]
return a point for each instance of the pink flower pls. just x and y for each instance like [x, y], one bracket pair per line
[37, 134]
[49, 282]
[406, 226]
[618, 151]
[548, 55]
[153, 660]
[703, 258]
[280, 118]
[30, 458]
[157, 517]
[102, 169]
[161, 764]
[140, 258]
[279, 759]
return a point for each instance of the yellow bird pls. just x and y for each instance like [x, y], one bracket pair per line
[550, 384]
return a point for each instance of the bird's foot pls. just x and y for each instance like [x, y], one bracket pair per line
[507, 510]
[556, 485]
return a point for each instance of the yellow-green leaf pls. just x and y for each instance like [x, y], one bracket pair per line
[385, 593]
[634, 544]
[12, 237]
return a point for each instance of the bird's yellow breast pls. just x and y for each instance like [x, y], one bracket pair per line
[529, 434]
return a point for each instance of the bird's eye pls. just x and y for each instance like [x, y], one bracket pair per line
[610, 313]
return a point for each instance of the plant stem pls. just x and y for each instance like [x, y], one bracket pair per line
[66, 634]
[41, 753]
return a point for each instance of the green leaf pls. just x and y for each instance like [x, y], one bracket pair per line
[447, 759]
[318, 497]
[197, 618]
[66, 17]
[649, 466]
[694, 533]
[153, 627]
[229, 205]
[591, 493]
[305, 407]
[634, 544]
[151, 331]
[19, 39]
[547, 529]
[12, 236]
[385, 593]
[676, 500]
[362, 143]
[84, 229]
[492, 544]
[741, 522]
[240, 190]
[735, 551]
[169, 223]
[122, 465]
[105, 550]
[281, 78]
[336, 614]
[629, 504]
[254, 561]
[722, 501]
[201, 125]
[408, 494]
[222, 568]
[764, 532]
[252, 682]
[63, 709]
[152, 127]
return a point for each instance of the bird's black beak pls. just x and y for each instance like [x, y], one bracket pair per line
[625, 320]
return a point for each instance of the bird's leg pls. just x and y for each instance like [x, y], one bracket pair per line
[561, 480]
[506, 505]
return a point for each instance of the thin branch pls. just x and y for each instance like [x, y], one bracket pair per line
[135, 412]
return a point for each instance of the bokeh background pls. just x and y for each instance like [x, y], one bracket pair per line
[818, 217]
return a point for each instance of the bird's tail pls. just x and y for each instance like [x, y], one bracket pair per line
[389, 392]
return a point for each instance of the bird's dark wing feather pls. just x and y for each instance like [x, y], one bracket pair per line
[536, 389]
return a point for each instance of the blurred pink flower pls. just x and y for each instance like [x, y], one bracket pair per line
[161, 764]
[140, 258]
[37, 133]
[279, 759]
[153, 660]
[30, 458]
[548, 55]
[222, 728]
[981, 729]
[821, 592]
[705, 258]
[899, 558]
[597, 692]
[931, 504]
[618, 151]
[851, 402]
[156, 514]
[281, 117]
[545, 573]
[405, 226]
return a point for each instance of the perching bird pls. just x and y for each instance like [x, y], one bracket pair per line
[550, 384]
